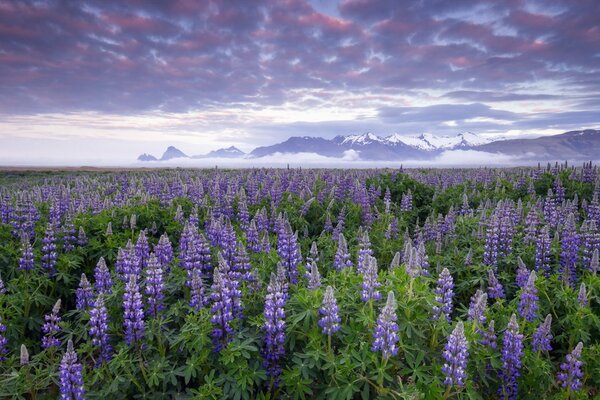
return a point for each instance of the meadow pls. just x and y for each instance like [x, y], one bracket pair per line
[289, 283]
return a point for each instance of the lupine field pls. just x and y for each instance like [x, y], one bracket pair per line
[328, 284]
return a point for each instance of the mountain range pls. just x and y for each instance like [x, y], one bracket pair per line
[573, 145]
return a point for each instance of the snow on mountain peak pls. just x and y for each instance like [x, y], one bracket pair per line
[365, 138]
[428, 141]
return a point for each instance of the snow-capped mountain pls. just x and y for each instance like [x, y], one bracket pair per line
[572, 145]
[429, 142]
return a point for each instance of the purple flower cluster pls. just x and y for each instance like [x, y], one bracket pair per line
[385, 337]
[542, 337]
[370, 281]
[103, 279]
[26, 262]
[528, 300]
[70, 375]
[154, 285]
[512, 350]
[99, 328]
[330, 319]
[456, 354]
[49, 254]
[495, 289]
[289, 251]
[84, 294]
[51, 327]
[342, 256]
[570, 371]
[221, 309]
[444, 292]
[133, 312]
[274, 328]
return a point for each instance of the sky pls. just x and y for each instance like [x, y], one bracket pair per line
[101, 81]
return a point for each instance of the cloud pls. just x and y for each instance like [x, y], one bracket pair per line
[454, 158]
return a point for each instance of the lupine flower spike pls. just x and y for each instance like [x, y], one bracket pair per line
[71, 376]
[385, 337]
[456, 354]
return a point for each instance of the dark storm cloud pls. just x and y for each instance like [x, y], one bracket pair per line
[179, 55]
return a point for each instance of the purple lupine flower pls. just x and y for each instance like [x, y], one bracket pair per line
[492, 242]
[406, 201]
[252, 237]
[385, 337]
[233, 284]
[522, 273]
[142, 249]
[488, 336]
[26, 262]
[542, 337]
[456, 354]
[82, 239]
[569, 245]
[99, 328]
[51, 327]
[364, 251]
[2, 287]
[582, 297]
[221, 309]
[241, 264]
[154, 285]
[84, 294]
[133, 312]
[528, 300]
[477, 308]
[571, 374]
[444, 292]
[69, 239]
[164, 251]
[274, 328]
[495, 289]
[197, 295]
[70, 374]
[103, 279]
[543, 251]
[3, 342]
[330, 320]
[512, 350]
[342, 256]
[314, 278]
[370, 281]
[289, 250]
[49, 254]
[128, 264]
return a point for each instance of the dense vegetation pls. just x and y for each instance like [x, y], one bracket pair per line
[301, 283]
